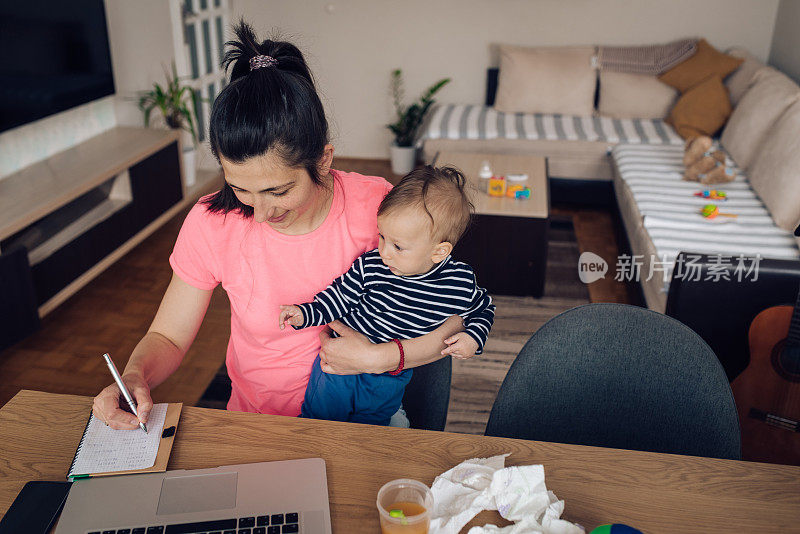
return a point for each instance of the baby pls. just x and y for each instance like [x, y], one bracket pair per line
[405, 288]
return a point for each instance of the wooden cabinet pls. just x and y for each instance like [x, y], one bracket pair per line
[78, 211]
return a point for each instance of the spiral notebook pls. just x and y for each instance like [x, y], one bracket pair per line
[104, 451]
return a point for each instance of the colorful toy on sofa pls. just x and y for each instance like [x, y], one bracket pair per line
[711, 211]
[703, 164]
[712, 194]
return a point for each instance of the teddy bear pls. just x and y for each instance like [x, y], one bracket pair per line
[703, 164]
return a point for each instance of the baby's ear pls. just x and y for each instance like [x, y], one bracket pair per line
[441, 251]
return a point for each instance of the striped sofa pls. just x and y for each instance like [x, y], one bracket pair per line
[576, 147]
[642, 158]
[662, 217]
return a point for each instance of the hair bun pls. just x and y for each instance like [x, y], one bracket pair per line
[262, 61]
[241, 53]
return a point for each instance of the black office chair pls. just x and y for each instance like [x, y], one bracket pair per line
[428, 394]
[613, 375]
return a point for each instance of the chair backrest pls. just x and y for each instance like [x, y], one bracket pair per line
[428, 394]
[613, 375]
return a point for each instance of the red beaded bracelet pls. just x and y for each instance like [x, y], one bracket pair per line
[402, 359]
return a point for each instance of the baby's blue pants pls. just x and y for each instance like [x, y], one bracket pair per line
[363, 398]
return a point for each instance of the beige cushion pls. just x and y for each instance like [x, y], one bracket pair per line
[775, 173]
[546, 80]
[740, 80]
[628, 96]
[772, 92]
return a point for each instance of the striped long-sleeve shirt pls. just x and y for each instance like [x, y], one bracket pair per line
[384, 306]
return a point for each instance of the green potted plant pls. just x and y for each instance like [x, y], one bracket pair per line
[176, 102]
[409, 118]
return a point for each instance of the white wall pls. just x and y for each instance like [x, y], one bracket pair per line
[352, 45]
[785, 51]
[140, 34]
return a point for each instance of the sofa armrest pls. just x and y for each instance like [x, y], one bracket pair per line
[720, 303]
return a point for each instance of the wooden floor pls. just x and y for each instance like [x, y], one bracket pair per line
[114, 311]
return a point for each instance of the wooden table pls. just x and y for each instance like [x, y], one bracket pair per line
[654, 492]
[506, 244]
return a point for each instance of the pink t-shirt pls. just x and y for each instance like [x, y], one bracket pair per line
[261, 269]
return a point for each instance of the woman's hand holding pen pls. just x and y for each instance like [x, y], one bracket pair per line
[107, 404]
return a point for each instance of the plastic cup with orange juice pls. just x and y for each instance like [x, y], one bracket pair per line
[405, 507]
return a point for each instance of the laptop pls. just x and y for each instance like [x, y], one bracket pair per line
[261, 498]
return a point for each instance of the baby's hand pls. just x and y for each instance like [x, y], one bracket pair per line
[461, 346]
[291, 314]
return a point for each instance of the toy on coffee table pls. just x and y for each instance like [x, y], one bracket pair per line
[712, 194]
[518, 191]
[703, 164]
[711, 211]
[497, 186]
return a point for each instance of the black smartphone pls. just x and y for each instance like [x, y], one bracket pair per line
[36, 507]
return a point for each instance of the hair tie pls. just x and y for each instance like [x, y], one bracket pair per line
[257, 62]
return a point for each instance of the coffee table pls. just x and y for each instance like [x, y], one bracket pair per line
[506, 243]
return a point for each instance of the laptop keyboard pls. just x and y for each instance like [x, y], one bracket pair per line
[262, 524]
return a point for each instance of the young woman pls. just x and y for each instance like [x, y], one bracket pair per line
[280, 230]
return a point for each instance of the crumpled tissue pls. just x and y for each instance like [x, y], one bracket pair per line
[518, 493]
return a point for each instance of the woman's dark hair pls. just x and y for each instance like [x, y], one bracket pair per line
[274, 107]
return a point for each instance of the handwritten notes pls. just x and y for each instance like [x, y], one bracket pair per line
[105, 450]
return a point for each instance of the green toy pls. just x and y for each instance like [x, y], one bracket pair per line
[616, 528]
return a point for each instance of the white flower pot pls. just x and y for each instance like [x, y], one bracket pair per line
[404, 158]
[188, 155]
[189, 169]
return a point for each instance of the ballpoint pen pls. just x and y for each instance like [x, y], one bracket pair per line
[123, 389]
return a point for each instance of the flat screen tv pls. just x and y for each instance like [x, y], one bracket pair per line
[54, 55]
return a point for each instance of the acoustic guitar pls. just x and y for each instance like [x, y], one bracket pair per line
[767, 392]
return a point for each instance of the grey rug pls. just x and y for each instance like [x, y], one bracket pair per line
[476, 382]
